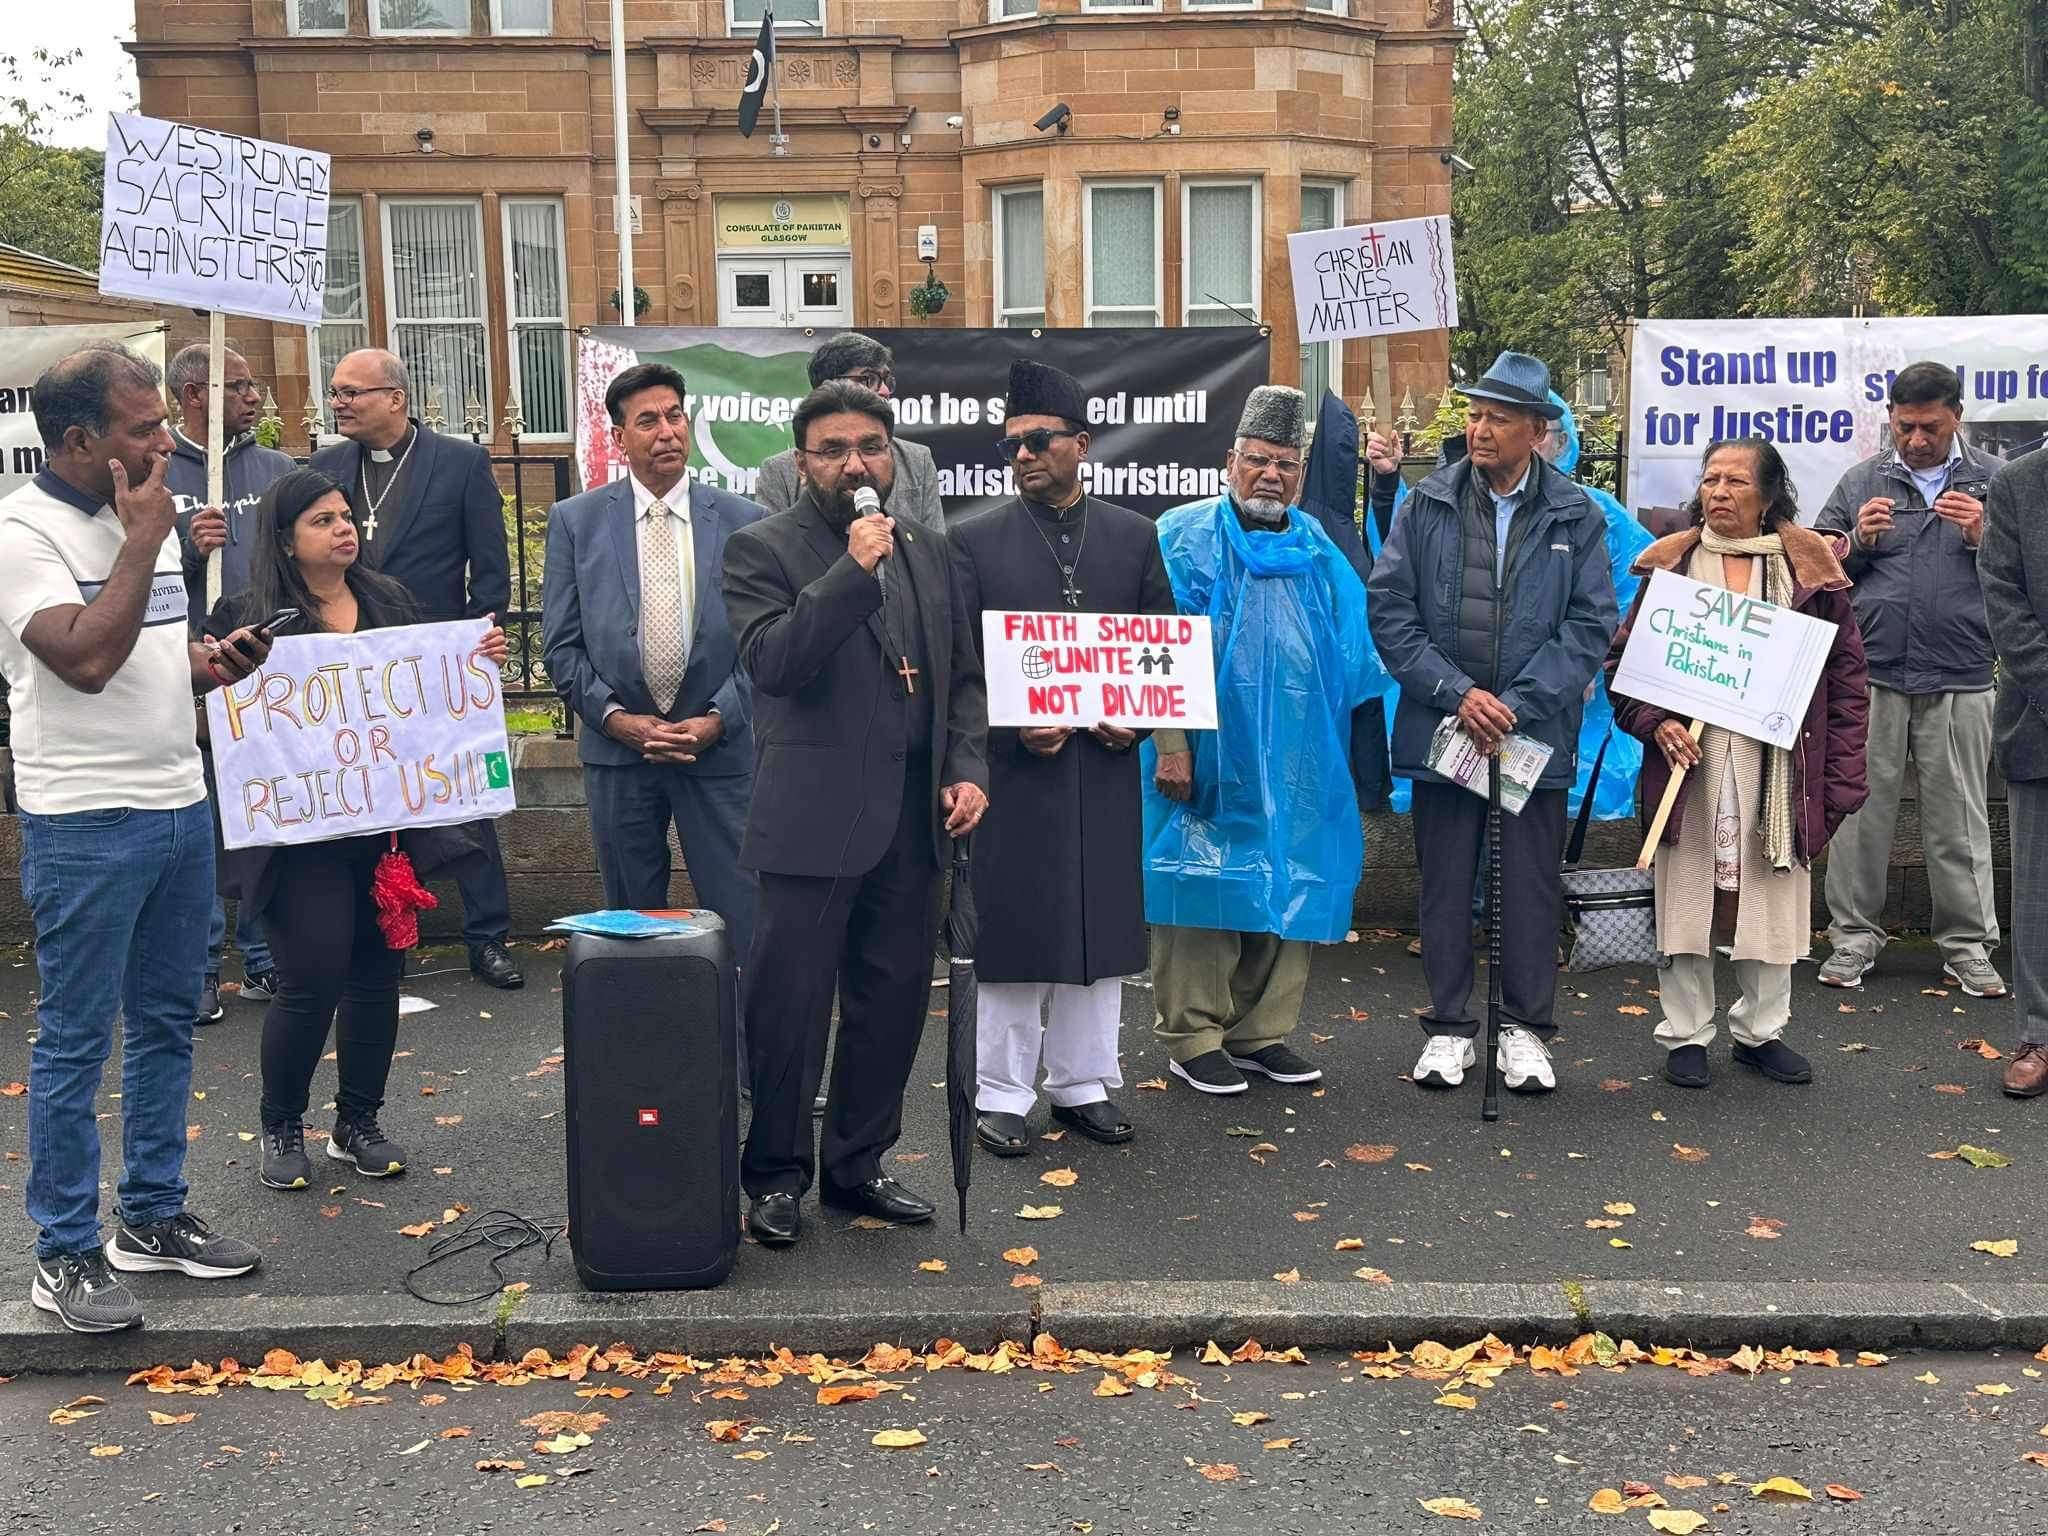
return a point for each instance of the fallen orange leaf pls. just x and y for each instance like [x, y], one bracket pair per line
[1837, 1491]
[1360, 1152]
[1219, 1471]
[1020, 1255]
[1684, 1154]
[1060, 1178]
[848, 1392]
[1452, 1509]
[13, 1090]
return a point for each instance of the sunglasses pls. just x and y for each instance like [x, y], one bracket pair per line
[1037, 441]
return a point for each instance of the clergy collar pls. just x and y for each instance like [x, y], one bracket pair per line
[50, 483]
[1057, 514]
[386, 455]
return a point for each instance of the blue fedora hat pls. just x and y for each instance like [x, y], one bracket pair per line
[1516, 378]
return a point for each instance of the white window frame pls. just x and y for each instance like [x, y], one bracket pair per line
[996, 15]
[1003, 308]
[1098, 7]
[1336, 191]
[1088, 304]
[1330, 7]
[802, 27]
[320, 367]
[515, 322]
[451, 410]
[378, 29]
[1219, 5]
[1599, 402]
[499, 29]
[1189, 303]
[295, 28]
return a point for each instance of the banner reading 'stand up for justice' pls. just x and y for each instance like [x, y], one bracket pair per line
[1134, 670]
[1163, 405]
[376, 732]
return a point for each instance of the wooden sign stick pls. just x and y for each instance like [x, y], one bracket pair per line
[1656, 832]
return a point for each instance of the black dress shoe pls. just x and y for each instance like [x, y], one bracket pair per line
[882, 1198]
[773, 1220]
[490, 964]
[1001, 1133]
[1099, 1121]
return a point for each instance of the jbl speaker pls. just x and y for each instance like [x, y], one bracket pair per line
[651, 1076]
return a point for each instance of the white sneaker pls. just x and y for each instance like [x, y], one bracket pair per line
[1524, 1062]
[1444, 1061]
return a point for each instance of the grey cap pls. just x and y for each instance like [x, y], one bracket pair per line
[1275, 414]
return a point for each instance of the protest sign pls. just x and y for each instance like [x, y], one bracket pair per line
[373, 732]
[1374, 279]
[1816, 389]
[1710, 654]
[1163, 404]
[213, 220]
[1139, 671]
[25, 351]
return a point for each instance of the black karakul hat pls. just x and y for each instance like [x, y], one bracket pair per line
[1039, 390]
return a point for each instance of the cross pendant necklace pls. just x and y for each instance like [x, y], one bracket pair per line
[1069, 593]
[370, 525]
[908, 673]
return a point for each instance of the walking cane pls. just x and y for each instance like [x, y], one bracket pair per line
[1489, 1107]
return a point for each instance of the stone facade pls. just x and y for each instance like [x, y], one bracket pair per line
[1269, 93]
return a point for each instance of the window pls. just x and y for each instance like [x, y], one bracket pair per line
[1122, 250]
[536, 271]
[317, 18]
[532, 18]
[1119, 5]
[1009, 10]
[1596, 387]
[344, 317]
[434, 283]
[1020, 258]
[1219, 5]
[1322, 362]
[1220, 253]
[1334, 7]
[790, 15]
[388, 16]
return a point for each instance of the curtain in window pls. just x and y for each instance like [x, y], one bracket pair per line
[525, 15]
[1318, 211]
[321, 15]
[1123, 231]
[1009, 8]
[420, 15]
[1219, 246]
[437, 304]
[1023, 258]
[747, 14]
[343, 327]
[540, 343]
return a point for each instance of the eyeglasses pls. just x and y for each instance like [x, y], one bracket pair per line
[248, 389]
[873, 450]
[1259, 463]
[346, 394]
[1037, 440]
[873, 378]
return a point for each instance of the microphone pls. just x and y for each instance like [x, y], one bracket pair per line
[866, 503]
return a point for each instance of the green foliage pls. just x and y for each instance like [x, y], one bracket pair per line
[49, 196]
[929, 296]
[269, 431]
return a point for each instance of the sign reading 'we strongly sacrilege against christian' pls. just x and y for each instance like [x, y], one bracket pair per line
[1738, 662]
[1134, 670]
[1374, 279]
[374, 732]
[215, 220]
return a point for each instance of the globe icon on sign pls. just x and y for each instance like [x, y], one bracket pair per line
[1036, 663]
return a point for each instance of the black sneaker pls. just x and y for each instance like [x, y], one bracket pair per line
[363, 1143]
[1686, 1066]
[285, 1164]
[260, 986]
[1210, 1072]
[184, 1243]
[1280, 1064]
[1776, 1060]
[210, 1010]
[83, 1294]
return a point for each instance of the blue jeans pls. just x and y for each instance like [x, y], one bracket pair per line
[248, 938]
[120, 901]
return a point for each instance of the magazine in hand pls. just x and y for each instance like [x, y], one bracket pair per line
[1457, 757]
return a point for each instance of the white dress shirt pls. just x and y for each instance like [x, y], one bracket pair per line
[678, 503]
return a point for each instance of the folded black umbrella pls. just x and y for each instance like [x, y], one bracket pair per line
[963, 929]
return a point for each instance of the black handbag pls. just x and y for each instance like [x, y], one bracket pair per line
[1610, 914]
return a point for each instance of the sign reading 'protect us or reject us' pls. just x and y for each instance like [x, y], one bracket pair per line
[1138, 671]
[339, 735]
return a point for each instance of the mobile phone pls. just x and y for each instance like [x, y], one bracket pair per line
[277, 621]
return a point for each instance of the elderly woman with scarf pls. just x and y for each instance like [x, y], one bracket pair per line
[1733, 866]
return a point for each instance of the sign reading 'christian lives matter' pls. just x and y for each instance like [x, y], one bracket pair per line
[215, 220]
[1374, 279]
[1734, 661]
[1138, 671]
[373, 732]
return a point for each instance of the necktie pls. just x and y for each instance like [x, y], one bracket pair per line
[663, 637]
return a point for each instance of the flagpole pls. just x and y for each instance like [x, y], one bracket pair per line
[775, 91]
[622, 165]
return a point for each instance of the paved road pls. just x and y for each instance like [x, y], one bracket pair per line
[1843, 1165]
[1005, 1455]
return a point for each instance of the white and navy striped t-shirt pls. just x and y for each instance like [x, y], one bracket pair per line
[133, 744]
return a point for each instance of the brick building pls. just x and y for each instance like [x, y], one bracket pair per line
[472, 147]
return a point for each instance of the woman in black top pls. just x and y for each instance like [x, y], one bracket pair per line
[337, 969]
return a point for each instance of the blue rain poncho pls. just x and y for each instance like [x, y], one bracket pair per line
[1615, 799]
[1270, 841]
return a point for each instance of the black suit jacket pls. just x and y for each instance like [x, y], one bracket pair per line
[828, 745]
[445, 535]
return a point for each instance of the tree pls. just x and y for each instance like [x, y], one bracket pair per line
[49, 195]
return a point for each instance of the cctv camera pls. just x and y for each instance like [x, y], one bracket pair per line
[1056, 119]
[956, 121]
[1457, 162]
[425, 136]
[1172, 114]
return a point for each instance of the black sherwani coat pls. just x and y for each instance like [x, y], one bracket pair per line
[1059, 877]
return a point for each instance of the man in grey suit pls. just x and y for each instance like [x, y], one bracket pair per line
[864, 361]
[636, 638]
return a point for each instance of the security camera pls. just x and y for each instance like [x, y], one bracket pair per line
[425, 136]
[1457, 162]
[956, 121]
[1055, 120]
[1171, 114]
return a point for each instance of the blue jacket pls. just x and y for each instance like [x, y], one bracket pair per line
[590, 624]
[247, 474]
[1557, 615]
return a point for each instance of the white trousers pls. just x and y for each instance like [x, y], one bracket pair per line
[1078, 1036]
[1686, 986]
